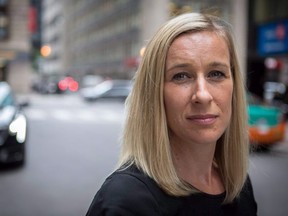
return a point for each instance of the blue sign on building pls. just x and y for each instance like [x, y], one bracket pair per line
[273, 38]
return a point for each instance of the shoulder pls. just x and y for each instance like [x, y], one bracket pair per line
[247, 190]
[247, 199]
[125, 192]
[127, 185]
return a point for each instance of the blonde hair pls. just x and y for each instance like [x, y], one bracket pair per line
[145, 139]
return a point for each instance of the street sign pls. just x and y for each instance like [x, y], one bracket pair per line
[273, 38]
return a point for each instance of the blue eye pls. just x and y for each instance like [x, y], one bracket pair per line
[217, 74]
[180, 76]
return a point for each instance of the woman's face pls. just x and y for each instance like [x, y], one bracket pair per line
[198, 88]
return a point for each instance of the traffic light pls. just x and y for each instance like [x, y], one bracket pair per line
[45, 51]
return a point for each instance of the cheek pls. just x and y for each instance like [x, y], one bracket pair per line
[169, 102]
[173, 102]
[175, 97]
[225, 103]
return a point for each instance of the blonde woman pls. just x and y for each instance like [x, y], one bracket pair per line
[185, 144]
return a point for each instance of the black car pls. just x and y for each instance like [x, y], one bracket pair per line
[115, 89]
[13, 128]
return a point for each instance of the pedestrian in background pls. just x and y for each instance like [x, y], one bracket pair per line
[185, 145]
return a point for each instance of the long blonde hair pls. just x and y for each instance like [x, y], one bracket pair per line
[145, 139]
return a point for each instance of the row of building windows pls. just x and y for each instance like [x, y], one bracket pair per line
[106, 35]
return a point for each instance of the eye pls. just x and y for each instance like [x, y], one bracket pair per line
[181, 76]
[217, 75]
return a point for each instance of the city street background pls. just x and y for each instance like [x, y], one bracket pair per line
[73, 145]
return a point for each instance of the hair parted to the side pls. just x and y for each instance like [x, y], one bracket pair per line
[145, 140]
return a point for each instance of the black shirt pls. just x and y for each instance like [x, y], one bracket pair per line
[130, 192]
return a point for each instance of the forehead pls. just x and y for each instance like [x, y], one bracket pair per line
[202, 44]
[200, 38]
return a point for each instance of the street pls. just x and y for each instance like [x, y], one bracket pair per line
[72, 146]
[268, 171]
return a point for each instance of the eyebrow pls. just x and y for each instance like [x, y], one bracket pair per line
[212, 64]
[178, 66]
[217, 64]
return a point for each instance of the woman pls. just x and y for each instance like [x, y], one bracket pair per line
[185, 144]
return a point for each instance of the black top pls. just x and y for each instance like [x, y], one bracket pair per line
[130, 192]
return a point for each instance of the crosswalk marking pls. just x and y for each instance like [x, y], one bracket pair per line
[61, 115]
[36, 114]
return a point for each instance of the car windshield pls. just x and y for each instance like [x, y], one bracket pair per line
[103, 87]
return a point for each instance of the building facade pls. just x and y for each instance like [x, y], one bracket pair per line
[15, 44]
[53, 38]
[105, 37]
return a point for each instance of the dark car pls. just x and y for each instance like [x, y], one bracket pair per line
[119, 89]
[13, 128]
[55, 84]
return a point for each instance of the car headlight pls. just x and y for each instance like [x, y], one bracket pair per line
[18, 128]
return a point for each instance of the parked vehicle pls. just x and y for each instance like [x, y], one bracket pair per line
[13, 128]
[67, 84]
[91, 80]
[117, 89]
[55, 84]
[267, 123]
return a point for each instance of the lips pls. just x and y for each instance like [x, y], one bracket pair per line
[203, 119]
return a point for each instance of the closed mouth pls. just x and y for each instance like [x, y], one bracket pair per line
[203, 119]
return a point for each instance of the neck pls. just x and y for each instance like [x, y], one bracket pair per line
[194, 164]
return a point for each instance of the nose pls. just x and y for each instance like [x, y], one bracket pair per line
[201, 93]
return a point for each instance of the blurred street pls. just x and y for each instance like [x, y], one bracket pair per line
[72, 146]
[268, 172]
